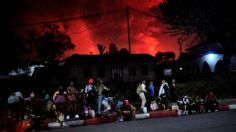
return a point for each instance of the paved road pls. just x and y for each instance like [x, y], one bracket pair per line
[207, 122]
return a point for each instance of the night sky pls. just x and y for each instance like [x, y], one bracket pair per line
[147, 33]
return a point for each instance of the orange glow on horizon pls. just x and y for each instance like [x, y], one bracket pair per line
[146, 33]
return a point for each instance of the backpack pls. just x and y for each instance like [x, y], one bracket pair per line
[139, 89]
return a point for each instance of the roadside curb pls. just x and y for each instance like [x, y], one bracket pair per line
[101, 120]
[157, 114]
[223, 107]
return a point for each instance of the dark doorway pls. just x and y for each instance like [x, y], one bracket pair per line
[206, 71]
[219, 67]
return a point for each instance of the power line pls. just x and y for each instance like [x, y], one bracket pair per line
[144, 13]
[67, 19]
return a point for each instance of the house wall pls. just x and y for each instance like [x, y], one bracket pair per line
[233, 63]
[77, 71]
[210, 59]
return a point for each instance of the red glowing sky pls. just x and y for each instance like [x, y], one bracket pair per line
[147, 33]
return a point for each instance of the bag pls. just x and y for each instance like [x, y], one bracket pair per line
[139, 89]
[60, 99]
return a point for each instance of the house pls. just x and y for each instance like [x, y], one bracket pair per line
[208, 58]
[111, 68]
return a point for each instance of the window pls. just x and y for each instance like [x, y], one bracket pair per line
[144, 70]
[132, 71]
[117, 73]
[101, 71]
[87, 72]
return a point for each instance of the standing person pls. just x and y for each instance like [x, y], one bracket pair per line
[152, 102]
[173, 95]
[71, 96]
[164, 93]
[141, 89]
[151, 90]
[90, 91]
[100, 89]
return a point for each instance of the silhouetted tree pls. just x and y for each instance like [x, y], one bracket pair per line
[124, 51]
[170, 56]
[11, 52]
[209, 21]
[101, 49]
[165, 56]
[50, 43]
[159, 56]
[113, 49]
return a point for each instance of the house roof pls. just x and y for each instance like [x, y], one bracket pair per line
[205, 48]
[110, 59]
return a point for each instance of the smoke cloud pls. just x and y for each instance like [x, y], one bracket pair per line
[146, 32]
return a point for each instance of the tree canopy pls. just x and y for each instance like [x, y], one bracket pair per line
[11, 51]
[101, 49]
[46, 45]
[113, 49]
[50, 43]
[165, 56]
[208, 20]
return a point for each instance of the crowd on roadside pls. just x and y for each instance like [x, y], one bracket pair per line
[70, 102]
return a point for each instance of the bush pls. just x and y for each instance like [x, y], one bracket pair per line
[222, 87]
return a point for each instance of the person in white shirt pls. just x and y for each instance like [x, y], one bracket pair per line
[142, 95]
[164, 93]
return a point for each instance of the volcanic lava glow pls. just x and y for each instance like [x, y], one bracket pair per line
[146, 32]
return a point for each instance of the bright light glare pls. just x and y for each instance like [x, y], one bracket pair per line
[211, 57]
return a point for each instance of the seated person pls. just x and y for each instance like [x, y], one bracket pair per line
[106, 102]
[211, 102]
[199, 104]
[127, 111]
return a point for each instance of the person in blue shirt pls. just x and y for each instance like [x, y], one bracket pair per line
[151, 89]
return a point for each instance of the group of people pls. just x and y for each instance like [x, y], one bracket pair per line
[166, 95]
[196, 104]
[95, 100]
[88, 102]
[167, 99]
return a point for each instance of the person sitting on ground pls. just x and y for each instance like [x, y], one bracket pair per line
[127, 112]
[211, 102]
[187, 105]
[199, 104]
[106, 102]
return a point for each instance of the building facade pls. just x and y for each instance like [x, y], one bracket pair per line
[111, 68]
[209, 58]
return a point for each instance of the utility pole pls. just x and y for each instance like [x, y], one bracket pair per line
[128, 26]
[180, 42]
